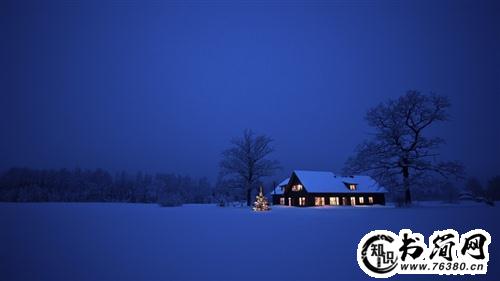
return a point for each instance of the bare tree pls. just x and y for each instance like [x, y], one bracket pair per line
[399, 147]
[247, 160]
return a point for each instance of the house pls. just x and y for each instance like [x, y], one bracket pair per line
[318, 188]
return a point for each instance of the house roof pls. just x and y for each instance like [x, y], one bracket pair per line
[324, 181]
[279, 190]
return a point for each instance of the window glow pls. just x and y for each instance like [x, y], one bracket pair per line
[352, 186]
[361, 200]
[319, 201]
[353, 201]
[334, 201]
[302, 201]
[297, 187]
[370, 200]
[282, 201]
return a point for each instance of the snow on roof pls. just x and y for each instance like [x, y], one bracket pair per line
[280, 187]
[364, 183]
[284, 182]
[318, 181]
[323, 181]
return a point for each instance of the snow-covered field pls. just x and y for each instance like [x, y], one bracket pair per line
[88, 241]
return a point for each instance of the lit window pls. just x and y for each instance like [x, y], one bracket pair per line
[353, 201]
[352, 186]
[282, 201]
[302, 201]
[334, 201]
[297, 187]
[361, 200]
[289, 201]
[319, 201]
[370, 200]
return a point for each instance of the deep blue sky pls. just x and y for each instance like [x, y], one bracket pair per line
[164, 85]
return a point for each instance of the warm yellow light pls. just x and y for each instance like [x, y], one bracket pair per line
[302, 201]
[334, 201]
[319, 201]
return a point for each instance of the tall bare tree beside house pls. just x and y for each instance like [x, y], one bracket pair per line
[247, 160]
[399, 148]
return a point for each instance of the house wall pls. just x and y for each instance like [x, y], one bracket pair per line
[378, 198]
[276, 199]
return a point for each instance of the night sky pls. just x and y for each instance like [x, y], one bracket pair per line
[162, 86]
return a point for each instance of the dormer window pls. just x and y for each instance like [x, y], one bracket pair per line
[297, 187]
[352, 186]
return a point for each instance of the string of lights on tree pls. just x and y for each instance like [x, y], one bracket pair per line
[261, 203]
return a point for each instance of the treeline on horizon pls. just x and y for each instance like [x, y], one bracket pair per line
[32, 185]
[168, 189]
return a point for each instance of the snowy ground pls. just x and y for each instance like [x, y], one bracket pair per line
[87, 241]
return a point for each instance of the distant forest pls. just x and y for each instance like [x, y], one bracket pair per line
[78, 185]
[30, 185]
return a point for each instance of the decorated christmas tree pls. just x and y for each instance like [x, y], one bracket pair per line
[260, 203]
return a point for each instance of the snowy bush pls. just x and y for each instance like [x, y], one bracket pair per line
[467, 196]
[170, 200]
